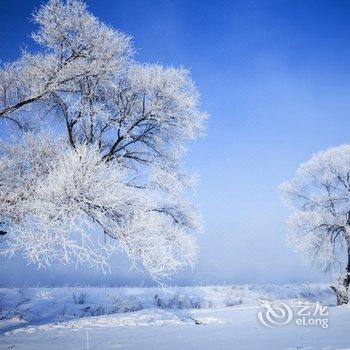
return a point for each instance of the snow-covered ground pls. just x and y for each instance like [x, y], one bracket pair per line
[175, 318]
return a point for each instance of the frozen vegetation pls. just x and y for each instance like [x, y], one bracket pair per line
[28, 306]
[94, 162]
[186, 317]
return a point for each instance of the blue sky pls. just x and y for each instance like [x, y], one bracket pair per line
[274, 77]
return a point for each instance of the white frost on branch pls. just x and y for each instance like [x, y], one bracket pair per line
[62, 198]
[109, 176]
[319, 197]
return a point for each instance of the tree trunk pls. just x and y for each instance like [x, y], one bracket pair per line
[341, 291]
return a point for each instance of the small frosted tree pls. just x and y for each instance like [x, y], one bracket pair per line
[108, 174]
[319, 225]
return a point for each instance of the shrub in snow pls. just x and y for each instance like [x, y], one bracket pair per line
[57, 304]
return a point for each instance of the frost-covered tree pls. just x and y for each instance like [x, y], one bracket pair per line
[319, 224]
[108, 173]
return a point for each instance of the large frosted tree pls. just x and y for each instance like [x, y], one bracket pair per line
[96, 165]
[319, 224]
